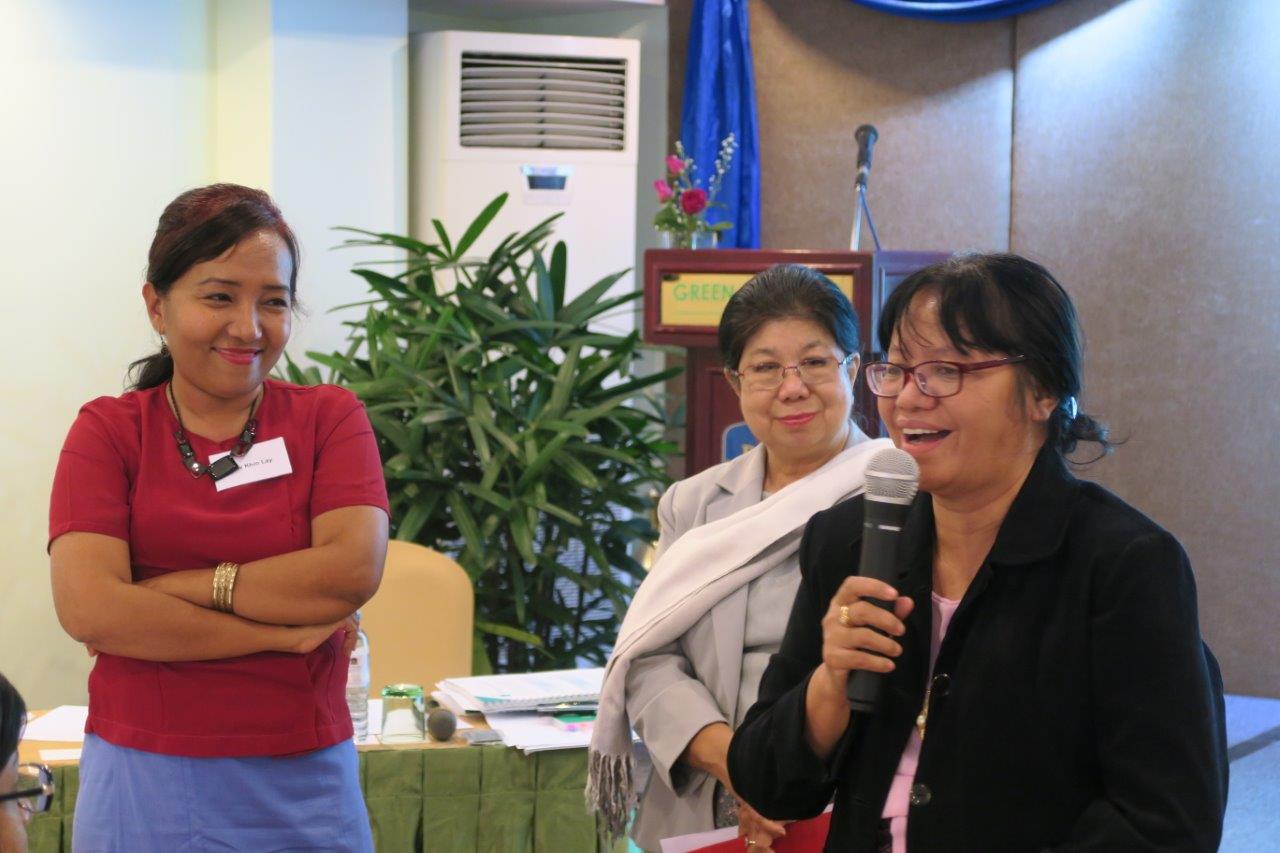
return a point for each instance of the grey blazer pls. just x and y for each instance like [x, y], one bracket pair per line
[675, 691]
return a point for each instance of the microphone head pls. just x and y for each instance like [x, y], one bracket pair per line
[866, 134]
[892, 477]
[441, 724]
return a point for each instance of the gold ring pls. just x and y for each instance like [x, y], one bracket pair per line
[751, 842]
[844, 616]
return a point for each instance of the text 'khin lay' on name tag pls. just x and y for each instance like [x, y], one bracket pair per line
[265, 460]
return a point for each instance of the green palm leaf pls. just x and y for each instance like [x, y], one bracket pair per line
[514, 436]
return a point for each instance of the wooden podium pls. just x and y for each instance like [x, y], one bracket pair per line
[685, 292]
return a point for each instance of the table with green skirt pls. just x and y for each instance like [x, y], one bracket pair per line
[442, 798]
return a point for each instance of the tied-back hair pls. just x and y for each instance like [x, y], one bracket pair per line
[1005, 303]
[198, 226]
[13, 713]
[782, 292]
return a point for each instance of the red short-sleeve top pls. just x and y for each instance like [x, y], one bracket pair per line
[120, 474]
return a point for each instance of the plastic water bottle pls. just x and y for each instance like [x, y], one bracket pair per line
[358, 686]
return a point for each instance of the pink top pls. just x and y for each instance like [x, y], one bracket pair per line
[895, 807]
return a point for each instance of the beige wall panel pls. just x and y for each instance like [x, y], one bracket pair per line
[1146, 175]
[678, 14]
[940, 95]
[104, 116]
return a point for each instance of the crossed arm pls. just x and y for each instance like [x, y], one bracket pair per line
[288, 603]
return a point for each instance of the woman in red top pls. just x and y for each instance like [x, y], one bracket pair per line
[218, 595]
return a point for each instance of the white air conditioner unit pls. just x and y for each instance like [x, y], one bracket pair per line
[549, 120]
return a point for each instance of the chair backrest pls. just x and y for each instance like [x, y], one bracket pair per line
[421, 620]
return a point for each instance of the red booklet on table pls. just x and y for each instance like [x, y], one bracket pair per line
[803, 836]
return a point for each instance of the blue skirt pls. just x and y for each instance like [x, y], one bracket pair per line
[142, 802]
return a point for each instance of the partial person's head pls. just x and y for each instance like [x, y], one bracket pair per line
[221, 280]
[974, 431]
[789, 340]
[14, 813]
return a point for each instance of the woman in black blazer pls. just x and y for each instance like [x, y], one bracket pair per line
[1047, 687]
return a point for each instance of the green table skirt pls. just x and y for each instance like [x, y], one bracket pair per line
[479, 798]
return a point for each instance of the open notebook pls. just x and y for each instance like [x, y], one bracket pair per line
[524, 691]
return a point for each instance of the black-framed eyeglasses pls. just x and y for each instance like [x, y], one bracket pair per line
[35, 788]
[768, 375]
[933, 378]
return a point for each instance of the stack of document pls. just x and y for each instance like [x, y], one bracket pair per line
[534, 732]
[526, 691]
[522, 708]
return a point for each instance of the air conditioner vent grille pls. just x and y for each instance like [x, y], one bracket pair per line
[541, 101]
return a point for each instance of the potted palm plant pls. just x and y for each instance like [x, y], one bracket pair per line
[514, 436]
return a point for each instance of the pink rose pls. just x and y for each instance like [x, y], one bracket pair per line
[693, 201]
[674, 164]
[664, 191]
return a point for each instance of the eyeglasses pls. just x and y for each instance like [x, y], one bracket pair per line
[768, 375]
[933, 378]
[35, 788]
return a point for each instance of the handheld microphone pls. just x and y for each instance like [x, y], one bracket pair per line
[441, 724]
[866, 136]
[893, 478]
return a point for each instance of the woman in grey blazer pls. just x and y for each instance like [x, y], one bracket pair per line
[789, 339]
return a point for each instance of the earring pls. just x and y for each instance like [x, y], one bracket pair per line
[164, 348]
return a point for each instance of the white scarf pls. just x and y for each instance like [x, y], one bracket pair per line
[699, 570]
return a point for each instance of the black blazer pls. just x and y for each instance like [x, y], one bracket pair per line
[1074, 705]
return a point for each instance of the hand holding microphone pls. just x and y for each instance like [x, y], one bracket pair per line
[893, 478]
[866, 619]
[858, 633]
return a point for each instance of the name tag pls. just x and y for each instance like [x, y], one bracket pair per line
[264, 461]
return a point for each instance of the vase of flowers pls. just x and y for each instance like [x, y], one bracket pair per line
[682, 219]
[707, 239]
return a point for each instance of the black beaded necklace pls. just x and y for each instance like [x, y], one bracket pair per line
[224, 466]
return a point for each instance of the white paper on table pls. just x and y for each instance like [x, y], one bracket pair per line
[698, 840]
[447, 700]
[527, 690]
[64, 723]
[60, 754]
[533, 732]
[455, 702]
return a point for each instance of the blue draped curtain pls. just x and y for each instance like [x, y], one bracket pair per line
[719, 99]
[955, 10]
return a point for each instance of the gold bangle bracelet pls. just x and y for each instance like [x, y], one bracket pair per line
[219, 578]
[217, 587]
[232, 570]
[224, 578]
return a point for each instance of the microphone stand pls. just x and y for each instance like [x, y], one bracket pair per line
[862, 207]
[865, 136]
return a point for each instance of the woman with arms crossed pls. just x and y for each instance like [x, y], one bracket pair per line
[704, 622]
[217, 599]
[1047, 687]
